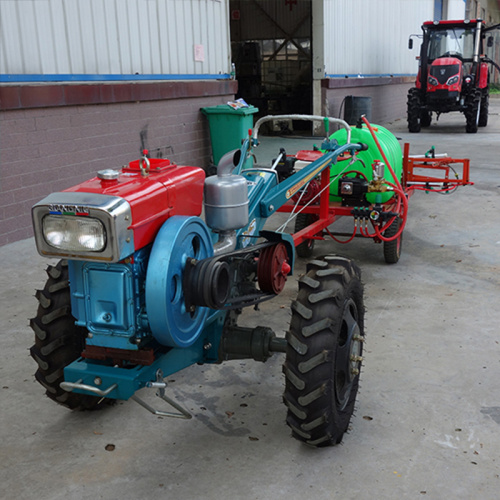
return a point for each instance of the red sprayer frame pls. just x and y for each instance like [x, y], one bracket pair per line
[443, 165]
[419, 173]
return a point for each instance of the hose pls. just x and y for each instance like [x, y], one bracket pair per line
[357, 172]
[397, 189]
[374, 137]
[345, 241]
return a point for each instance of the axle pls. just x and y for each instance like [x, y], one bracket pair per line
[257, 343]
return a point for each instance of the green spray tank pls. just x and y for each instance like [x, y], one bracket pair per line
[389, 145]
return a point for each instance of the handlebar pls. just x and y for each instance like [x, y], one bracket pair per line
[311, 118]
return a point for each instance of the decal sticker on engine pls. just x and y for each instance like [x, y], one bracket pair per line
[56, 209]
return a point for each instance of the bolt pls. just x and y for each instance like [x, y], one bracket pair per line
[354, 371]
[106, 317]
[98, 381]
[358, 338]
[356, 358]
[207, 346]
[271, 208]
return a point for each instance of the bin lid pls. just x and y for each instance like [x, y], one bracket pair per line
[224, 109]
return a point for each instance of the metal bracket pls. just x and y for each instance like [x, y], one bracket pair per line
[69, 386]
[160, 385]
[144, 163]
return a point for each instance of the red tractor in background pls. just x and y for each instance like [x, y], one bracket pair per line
[453, 73]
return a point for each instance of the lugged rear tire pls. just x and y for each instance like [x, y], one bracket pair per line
[472, 113]
[58, 341]
[483, 114]
[325, 345]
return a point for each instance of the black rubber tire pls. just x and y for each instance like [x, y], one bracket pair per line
[472, 112]
[306, 248]
[483, 114]
[414, 110]
[323, 358]
[425, 118]
[392, 249]
[58, 341]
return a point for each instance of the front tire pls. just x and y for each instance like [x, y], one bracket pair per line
[323, 358]
[58, 341]
[414, 109]
[425, 118]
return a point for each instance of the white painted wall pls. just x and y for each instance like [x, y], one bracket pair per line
[456, 9]
[102, 37]
[370, 38]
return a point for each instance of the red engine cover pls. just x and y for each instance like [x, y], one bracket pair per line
[166, 190]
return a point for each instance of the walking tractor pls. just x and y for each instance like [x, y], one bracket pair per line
[146, 287]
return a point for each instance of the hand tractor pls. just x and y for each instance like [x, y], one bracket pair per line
[453, 73]
[146, 287]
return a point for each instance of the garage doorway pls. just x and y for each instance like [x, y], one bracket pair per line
[271, 46]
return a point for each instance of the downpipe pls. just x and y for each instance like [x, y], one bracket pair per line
[226, 243]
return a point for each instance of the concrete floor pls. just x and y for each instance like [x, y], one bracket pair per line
[428, 412]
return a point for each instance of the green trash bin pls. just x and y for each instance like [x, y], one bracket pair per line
[228, 127]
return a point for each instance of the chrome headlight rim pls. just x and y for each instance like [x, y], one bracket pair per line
[113, 212]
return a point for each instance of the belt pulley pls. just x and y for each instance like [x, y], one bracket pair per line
[213, 282]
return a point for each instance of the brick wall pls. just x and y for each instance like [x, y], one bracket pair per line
[47, 145]
[388, 96]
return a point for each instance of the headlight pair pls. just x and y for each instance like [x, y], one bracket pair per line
[74, 234]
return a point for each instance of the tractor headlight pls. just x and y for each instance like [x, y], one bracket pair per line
[468, 80]
[74, 234]
[84, 226]
[432, 81]
[452, 80]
